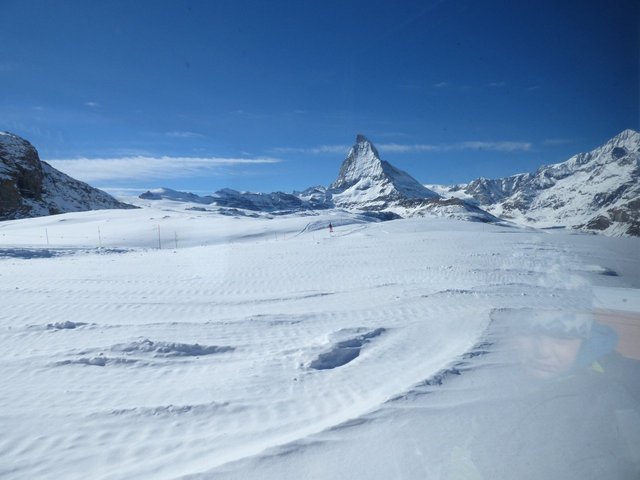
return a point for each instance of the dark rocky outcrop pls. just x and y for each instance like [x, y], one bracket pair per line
[32, 188]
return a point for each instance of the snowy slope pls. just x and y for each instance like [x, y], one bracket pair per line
[270, 348]
[31, 188]
[595, 191]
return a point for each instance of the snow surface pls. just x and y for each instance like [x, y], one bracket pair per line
[164, 343]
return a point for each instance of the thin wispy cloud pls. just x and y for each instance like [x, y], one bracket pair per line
[183, 134]
[440, 84]
[312, 150]
[404, 148]
[497, 146]
[473, 145]
[503, 146]
[150, 168]
[91, 104]
[557, 141]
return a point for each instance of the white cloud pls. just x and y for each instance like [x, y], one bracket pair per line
[143, 168]
[404, 148]
[91, 104]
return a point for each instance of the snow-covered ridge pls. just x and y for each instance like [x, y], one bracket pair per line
[594, 191]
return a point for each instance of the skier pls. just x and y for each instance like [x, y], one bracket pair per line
[330, 228]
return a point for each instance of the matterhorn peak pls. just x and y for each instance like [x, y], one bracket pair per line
[363, 161]
[363, 171]
[363, 144]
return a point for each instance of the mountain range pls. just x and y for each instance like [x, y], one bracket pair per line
[598, 191]
[365, 184]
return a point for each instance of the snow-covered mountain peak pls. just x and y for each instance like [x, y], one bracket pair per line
[13, 146]
[363, 161]
[595, 191]
[627, 137]
[364, 147]
[626, 142]
[17, 153]
[365, 175]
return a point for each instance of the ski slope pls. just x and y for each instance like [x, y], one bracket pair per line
[165, 343]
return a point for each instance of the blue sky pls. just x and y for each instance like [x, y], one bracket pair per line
[265, 96]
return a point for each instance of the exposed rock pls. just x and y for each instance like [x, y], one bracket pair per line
[31, 188]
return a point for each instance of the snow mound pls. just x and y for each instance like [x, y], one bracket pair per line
[168, 349]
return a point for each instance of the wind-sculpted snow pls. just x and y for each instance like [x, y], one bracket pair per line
[66, 325]
[274, 348]
[143, 350]
[344, 351]
[168, 349]
[167, 411]
[99, 361]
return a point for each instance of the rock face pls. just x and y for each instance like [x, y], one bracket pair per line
[31, 188]
[597, 191]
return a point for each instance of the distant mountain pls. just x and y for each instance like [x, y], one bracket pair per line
[365, 184]
[32, 188]
[262, 202]
[366, 181]
[597, 191]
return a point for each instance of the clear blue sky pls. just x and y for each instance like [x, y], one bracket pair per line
[268, 95]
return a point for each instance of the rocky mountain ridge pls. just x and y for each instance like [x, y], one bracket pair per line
[30, 187]
[597, 191]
